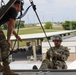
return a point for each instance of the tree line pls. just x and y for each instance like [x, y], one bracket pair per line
[17, 24]
[67, 25]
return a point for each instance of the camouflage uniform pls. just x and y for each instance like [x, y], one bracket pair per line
[4, 47]
[46, 64]
[59, 56]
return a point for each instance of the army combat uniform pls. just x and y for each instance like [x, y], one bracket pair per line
[46, 64]
[4, 52]
[4, 47]
[59, 56]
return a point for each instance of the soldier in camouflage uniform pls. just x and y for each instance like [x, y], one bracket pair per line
[59, 54]
[5, 44]
[4, 48]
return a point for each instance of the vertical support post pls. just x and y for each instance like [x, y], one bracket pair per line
[17, 44]
[34, 49]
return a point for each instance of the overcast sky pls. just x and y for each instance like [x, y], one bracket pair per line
[50, 10]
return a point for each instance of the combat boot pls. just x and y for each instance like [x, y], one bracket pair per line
[7, 70]
[1, 68]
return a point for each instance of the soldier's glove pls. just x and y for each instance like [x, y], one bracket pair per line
[55, 54]
[64, 58]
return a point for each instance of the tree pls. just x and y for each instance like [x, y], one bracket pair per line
[74, 24]
[67, 25]
[20, 24]
[48, 25]
[3, 27]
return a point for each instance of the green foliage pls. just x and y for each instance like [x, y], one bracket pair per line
[48, 25]
[4, 27]
[19, 24]
[74, 24]
[67, 25]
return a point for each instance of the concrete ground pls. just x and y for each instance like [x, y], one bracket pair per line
[27, 65]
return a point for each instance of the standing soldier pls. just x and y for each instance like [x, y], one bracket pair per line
[5, 44]
[58, 53]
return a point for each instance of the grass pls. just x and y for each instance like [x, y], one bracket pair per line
[34, 29]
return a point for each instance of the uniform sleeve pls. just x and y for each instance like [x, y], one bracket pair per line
[62, 54]
[49, 52]
[66, 53]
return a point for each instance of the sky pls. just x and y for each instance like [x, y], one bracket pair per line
[50, 10]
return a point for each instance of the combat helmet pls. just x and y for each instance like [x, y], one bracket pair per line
[57, 37]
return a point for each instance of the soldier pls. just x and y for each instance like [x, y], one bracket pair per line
[58, 53]
[5, 44]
